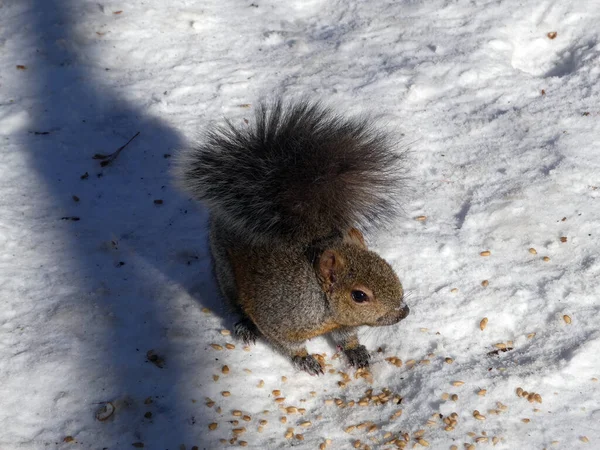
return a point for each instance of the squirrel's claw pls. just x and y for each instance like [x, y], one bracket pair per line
[308, 364]
[358, 357]
[246, 331]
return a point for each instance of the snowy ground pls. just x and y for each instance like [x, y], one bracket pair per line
[504, 127]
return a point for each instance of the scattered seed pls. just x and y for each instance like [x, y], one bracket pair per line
[533, 251]
[243, 444]
[246, 348]
[213, 426]
[584, 439]
[525, 420]
[520, 392]
[206, 310]
[478, 416]
[485, 283]
[283, 379]
[283, 419]
[246, 418]
[563, 239]
[421, 218]
[423, 442]
[485, 253]
[454, 290]
[458, 383]
[350, 429]
[225, 332]
[567, 319]
[280, 399]
[300, 437]
[495, 440]
[225, 393]
[483, 323]
[216, 346]
[530, 335]
[445, 396]
[454, 398]
[322, 446]
[238, 431]
[225, 370]
[215, 377]
[236, 413]
[552, 35]
[357, 444]
[448, 360]
[306, 424]
[482, 392]
[261, 383]
[289, 433]
[229, 346]
[291, 410]
[546, 258]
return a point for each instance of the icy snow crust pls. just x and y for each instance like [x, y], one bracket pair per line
[504, 128]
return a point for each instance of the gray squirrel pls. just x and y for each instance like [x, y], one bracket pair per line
[287, 195]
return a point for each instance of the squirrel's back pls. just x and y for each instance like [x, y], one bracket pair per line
[297, 173]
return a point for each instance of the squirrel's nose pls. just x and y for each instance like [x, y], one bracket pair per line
[404, 311]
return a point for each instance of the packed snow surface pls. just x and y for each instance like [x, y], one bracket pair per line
[107, 322]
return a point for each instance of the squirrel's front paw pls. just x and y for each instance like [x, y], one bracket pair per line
[358, 357]
[246, 331]
[307, 363]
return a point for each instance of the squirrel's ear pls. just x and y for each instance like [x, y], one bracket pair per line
[355, 237]
[330, 264]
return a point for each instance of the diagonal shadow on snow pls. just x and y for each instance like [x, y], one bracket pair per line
[122, 265]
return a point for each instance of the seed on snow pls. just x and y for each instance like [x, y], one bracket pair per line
[236, 413]
[229, 346]
[213, 426]
[238, 431]
[567, 319]
[500, 345]
[448, 360]
[458, 383]
[225, 393]
[225, 370]
[225, 332]
[247, 418]
[533, 251]
[423, 442]
[485, 283]
[260, 384]
[483, 323]
[306, 424]
[546, 258]
[478, 416]
[482, 392]
[486, 253]
[216, 346]
[584, 439]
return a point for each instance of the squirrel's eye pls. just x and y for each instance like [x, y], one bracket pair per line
[359, 296]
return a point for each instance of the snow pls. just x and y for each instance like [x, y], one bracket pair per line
[503, 126]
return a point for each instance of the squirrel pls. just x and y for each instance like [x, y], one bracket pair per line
[287, 195]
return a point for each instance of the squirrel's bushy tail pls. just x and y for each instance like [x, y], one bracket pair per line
[297, 173]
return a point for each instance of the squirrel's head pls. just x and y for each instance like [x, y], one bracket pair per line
[361, 287]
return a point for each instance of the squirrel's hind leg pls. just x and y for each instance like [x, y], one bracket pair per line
[347, 339]
[246, 330]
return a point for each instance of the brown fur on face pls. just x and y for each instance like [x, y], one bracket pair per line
[351, 267]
